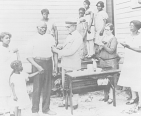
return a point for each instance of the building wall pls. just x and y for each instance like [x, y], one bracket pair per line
[19, 17]
[124, 12]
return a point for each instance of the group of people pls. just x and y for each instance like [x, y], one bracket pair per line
[90, 33]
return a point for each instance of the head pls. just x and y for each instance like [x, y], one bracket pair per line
[135, 25]
[17, 66]
[42, 27]
[86, 4]
[71, 26]
[109, 28]
[5, 38]
[45, 13]
[81, 12]
[100, 5]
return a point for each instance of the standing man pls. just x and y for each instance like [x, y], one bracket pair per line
[70, 53]
[51, 27]
[41, 60]
[52, 30]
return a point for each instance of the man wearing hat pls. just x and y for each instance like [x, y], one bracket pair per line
[70, 52]
[40, 57]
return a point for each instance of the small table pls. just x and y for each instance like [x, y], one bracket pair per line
[72, 77]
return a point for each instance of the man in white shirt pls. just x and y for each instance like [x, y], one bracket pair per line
[40, 58]
[70, 53]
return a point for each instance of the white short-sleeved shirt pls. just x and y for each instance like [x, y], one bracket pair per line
[99, 17]
[40, 46]
[19, 81]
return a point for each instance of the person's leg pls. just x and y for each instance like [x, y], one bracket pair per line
[37, 86]
[88, 48]
[91, 45]
[48, 66]
[19, 112]
[16, 111]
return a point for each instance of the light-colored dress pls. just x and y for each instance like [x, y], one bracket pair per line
[6, 57]
[90, 36]
[99, 17]
[131, 70]
[19, 81]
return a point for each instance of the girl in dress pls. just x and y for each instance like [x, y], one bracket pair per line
[7, 55]
[18, 85]
[89, 16]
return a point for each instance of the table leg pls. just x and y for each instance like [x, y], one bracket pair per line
[70, 95]
[114, 92]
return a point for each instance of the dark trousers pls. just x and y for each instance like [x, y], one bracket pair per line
[42, 84]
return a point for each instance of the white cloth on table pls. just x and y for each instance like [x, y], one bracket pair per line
[19, 81]
[131, 70]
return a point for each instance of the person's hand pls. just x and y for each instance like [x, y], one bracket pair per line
[59, 47]
[54, 49]
[40, 69]
[15, 98]
[101, 33]
[54, 73]
[87, 12]
[82, 20]
[89, 30]
[15, 50]
[125, 45]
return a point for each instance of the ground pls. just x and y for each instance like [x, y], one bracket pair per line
[95, 107]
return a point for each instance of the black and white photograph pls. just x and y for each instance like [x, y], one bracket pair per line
[70, 57]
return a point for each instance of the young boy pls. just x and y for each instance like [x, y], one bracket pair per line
[18, 85]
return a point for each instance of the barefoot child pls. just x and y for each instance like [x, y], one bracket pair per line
[18, 85]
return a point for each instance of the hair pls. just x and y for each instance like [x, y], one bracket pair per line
[136, 23]
[3, 34]
[83, 9]
[87, 2]
[45, 11]
[101, 4]
[15, 64]
[110, 25]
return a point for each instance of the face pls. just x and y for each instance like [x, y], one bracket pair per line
[6, 40]
[45, 15]
[42, 29]
[132, 27]
[20, 67]
[81, 13]
[99, 8]
[107, 30]
[85, 5]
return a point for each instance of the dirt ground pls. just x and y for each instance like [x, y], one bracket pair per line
[95, 107]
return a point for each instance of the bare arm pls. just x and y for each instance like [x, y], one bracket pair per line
[33, 74]
[31, 60]
[135, 49]
[102, 30]
[13, 91]
[56, 34]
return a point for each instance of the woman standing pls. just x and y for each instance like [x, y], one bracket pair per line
[108, 58]
[130, 73]
[100, 21]
[5, 71]
[89, 16]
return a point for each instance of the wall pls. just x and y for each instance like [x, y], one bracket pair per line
[19, 17]
[124, 12]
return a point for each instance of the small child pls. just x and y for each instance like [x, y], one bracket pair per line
[18, 85]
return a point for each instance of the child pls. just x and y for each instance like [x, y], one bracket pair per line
[18, 85]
